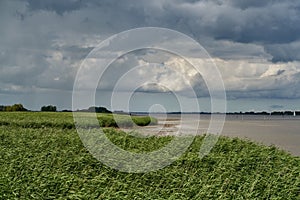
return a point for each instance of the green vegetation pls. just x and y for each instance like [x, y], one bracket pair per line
[98, 109]
[113, 120]
[65, 120]
[13, 108]
[46, 160]
[48, 108]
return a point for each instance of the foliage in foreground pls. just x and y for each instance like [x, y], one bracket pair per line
[52, 163]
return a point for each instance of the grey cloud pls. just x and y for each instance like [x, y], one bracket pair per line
[43, 42]
[259, 22]
[276, 106]
[33, 52]
[60, 7]
[284, 52]
[279, 72]
[153, 88]
[273, 24]
[230, 50]
[74, 52]
[268, 94]
[199, 87]
[281, 87]
[245, 4]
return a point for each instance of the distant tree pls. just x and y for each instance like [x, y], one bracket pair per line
[288, 113]
[18, 107]
[264, 113]
[98, 109]
[49, 108]
[65, 110]
[13, 108]
[277, 113]
[7, 108]
[1, 108]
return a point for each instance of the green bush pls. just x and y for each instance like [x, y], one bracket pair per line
[144, 120]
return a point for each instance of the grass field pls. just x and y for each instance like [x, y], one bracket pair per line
[42, 157]
[65, 120]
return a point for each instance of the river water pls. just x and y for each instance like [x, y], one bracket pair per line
[281, 131]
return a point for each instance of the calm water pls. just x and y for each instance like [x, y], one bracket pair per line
[283, 132]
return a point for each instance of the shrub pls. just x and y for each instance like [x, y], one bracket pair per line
[48, 108]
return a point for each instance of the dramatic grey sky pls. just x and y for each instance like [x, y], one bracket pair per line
[254, 43]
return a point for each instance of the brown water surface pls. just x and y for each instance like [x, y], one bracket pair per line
[281, 131]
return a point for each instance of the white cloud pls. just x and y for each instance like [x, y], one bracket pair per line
[242, 78]
[264, 79]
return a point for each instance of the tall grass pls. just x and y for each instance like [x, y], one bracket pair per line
[52, 163]
[65, 120]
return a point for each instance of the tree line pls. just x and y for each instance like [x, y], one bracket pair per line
[50, 108]
[13, 108]
[20, 107]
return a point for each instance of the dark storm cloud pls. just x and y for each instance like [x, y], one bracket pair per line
[284, 52]
[42, 43]
[242, 22]
[245, 4]
[263, 22]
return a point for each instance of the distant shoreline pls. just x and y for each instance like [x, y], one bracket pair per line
[279, 113]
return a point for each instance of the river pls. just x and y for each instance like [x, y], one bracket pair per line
[281, 131]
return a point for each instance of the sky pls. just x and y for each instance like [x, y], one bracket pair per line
[254, 44]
